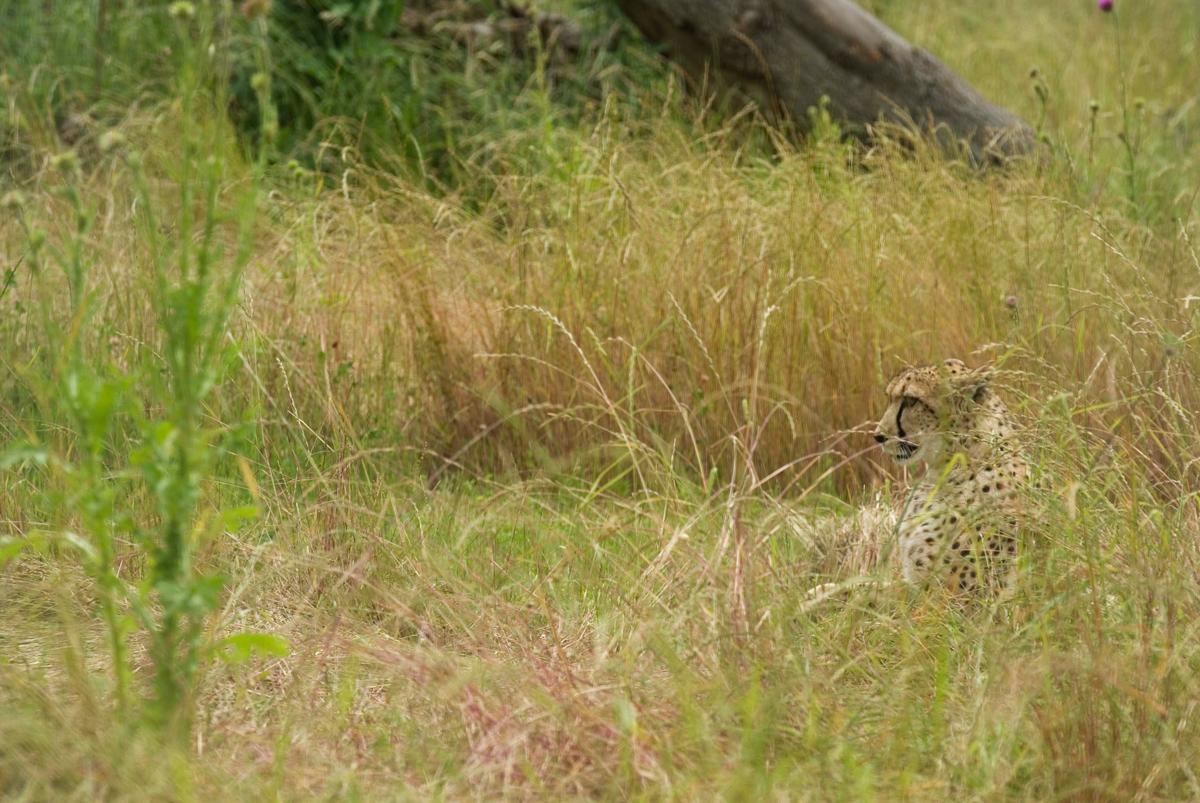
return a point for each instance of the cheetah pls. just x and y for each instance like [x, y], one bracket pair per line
[959, 525]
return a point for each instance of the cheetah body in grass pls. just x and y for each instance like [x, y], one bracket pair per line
[959, 525]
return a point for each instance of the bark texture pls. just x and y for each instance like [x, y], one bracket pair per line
[788, 54]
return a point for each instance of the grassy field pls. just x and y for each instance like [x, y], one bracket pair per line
[420, 426]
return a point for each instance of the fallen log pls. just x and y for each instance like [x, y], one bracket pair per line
[790, 54]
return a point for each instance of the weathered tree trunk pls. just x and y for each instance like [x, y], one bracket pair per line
[791, 53]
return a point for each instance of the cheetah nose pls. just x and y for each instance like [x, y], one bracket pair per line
[880, 438]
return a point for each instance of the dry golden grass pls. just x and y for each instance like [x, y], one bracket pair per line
[543, 484]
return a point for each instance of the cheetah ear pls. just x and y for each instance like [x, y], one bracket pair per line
[969, 381]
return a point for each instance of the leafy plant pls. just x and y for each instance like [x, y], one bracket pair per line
[110, 435]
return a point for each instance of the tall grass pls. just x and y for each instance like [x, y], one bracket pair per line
[543, 473]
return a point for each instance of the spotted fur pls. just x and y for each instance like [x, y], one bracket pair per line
[960, 523]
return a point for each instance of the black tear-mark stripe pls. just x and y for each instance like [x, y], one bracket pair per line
[903, 406]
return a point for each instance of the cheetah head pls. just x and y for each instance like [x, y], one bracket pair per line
[927, 405]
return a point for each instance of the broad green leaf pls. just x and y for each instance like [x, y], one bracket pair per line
[10, 548]
[234, 517]
[23, 454]
[241, 647]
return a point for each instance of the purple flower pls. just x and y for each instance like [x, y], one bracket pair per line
[1105, 5]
